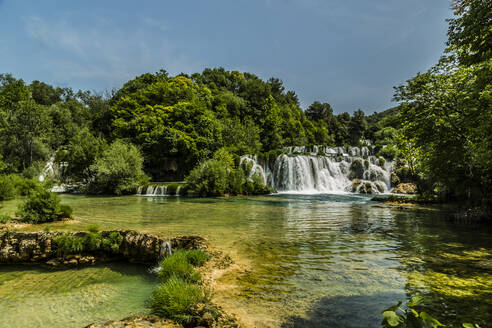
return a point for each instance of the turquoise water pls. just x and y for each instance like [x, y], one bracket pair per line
[307, 260]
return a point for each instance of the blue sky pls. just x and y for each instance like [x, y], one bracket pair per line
[349, 53]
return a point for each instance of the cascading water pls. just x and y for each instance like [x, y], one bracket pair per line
[165, 250]
[154, 190]
[321, 169]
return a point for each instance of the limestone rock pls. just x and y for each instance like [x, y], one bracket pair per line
[408, 188]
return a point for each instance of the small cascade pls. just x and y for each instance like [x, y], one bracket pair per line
[154, 190]
[48, 170]
[319, 169]
[165, 250]
[150, 190]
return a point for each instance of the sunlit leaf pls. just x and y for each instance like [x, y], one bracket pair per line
[391, 318]
[393, 308]
[430, 321]
[414, 301]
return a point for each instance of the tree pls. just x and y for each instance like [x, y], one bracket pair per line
[81, 153]
[22, 134]
[357, 127]
[118, 171]
[319, 111]
[470, 33]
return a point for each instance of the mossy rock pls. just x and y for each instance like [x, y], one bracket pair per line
[356, 170]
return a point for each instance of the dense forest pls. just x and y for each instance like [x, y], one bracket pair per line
[176, 122]
[440, 133]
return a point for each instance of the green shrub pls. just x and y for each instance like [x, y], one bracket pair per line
[178, 264]
[177, 299]
[67, 244]
[118, 171]
[389, 152]
[25, 186]
[65, 211]
[93, 241]
[208, 179]
[4, 219]
[113, 242]
[236, 180]
[43, 206]
[7, 188]
[259, 188]
[196, 257]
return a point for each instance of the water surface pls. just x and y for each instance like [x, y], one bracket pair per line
[314, 260]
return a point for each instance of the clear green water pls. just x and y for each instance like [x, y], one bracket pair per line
[314, 261]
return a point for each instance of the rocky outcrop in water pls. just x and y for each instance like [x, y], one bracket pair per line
[41, 247]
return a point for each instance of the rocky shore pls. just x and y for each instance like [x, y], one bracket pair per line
[42, 248]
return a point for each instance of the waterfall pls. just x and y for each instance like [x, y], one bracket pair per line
[320, 169]
[165, 249]
[48, 170]
[154, 190]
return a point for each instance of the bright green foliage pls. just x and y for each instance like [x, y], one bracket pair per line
[447, 111]
[214, 178]
[43, 206]
[407, 317]
[7, 188]
[91, 242]
[196, 257]
[82, 151]
[112, 242]
[67, 244]
[118, 171]
[208, 179]
[470, 35]
[177, 299]
[180, 264]
[179, 294]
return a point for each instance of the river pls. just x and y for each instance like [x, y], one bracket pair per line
[312, 261]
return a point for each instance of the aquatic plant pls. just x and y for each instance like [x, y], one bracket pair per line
[407, 316]
[177, 299]
[180, 264]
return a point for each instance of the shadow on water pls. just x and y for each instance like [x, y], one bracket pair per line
[343, 312]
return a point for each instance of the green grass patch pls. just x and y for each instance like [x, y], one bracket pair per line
[177, 298]
[180, 264]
